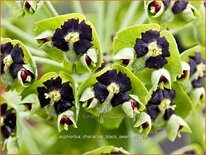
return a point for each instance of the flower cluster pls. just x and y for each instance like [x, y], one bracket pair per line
[13, 60]
[161, 102]
[56, 93]
[115, 84]
[8, 120]
[154, 48]
[73, 36]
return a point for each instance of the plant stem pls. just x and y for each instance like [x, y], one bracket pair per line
[130, 13]
[48, 62]
[17, 31]
[112, 10]
[51, 8]
[159, 137]
[100, 18]
[142, 19]
[77, 7]
[36, 52]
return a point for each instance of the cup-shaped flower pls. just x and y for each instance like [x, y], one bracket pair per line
[175, 125]
[66, 119]
[144, 48]
[56, 93]
[113, 92]
[16, 63]
[143, 123]
[73, 41]
[161, 102]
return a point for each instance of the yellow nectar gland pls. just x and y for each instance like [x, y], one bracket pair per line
[72, 37]
[165, 104]
[200, 70]
[8, 60]
[153, 49]
[113, 88]
[54, 95]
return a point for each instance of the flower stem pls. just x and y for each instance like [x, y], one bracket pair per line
[112, 10]
[159, 137]
[51, 8]
[130, 13]
[36, 52]
[48, 62]
[77, 7]
[142, 19]
[100, 19]
[17, 31]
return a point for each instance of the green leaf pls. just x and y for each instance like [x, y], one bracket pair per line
[182, 101]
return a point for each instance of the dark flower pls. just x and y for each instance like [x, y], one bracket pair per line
[154, 48]
[197, 70]
[179, 6]
[112, 83]
[161, 101]
[8, 118]
[12, 58]
[57, 93]
[73, 36]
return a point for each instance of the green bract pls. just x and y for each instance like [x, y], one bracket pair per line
[73, 63]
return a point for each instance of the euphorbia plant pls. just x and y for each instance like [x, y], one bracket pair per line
[121, 96]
